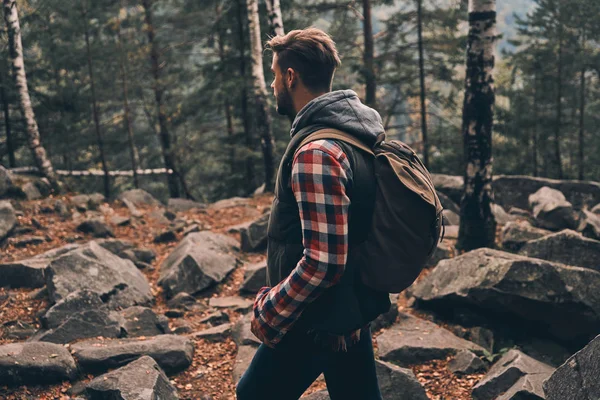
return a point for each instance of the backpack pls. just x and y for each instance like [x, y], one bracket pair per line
[407, 222]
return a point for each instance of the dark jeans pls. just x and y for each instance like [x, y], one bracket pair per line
[284, 373]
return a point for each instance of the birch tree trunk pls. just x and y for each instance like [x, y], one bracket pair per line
[559, 95]
[422, 83]
[477, 223]
[18, 66]
[128, 125]
[165, 140]
[6, 110]
[262, 117]
[580, 156]
[95, 112]
[275, 18]
[368, 56]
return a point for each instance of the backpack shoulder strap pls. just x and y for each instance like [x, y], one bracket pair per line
[335, 134]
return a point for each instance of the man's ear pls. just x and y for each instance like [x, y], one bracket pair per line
[291, 78]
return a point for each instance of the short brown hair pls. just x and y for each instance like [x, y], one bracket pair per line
[311, 52]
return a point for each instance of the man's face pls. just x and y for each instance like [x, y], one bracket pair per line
[285, 105]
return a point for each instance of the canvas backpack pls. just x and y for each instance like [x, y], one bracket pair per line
[407, 219]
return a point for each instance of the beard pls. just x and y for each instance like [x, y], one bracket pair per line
[285, 104]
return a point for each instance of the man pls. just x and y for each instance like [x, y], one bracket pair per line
[314, 316]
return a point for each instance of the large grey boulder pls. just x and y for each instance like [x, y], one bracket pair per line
[412, 340]
[501, 216]
[451, 186]
[173, 353]
[254, 238]
[199, 261]
[178, 205]
[567, 247]
[255, 277]
[513, 191]
[516, 233]
[215, 334]
[78, 301]
[31, 191]
[6, 181]
[35, 363]
[589, 224]
[96, 227]
[578, 377]
[8, 219]
[141, 379]
[441, 252]
[447, 203]
[242, 334]
[450, 218]
[551, 297]
[551, 210]
[139, 197]
[596, 209]
[142, 321]
[83, 325]
[515, 376]
[465, 362]
[118, 282]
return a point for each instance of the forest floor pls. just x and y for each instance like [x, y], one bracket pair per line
[211, 371]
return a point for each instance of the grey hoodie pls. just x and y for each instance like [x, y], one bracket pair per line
[343, 110]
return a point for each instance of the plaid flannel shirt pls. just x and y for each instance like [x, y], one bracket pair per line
[320, 174]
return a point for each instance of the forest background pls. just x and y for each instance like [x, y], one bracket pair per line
[97, 69]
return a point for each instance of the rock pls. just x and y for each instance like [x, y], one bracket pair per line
[415, 341]
[174, 314]
[243, 358]
[398, 383]
[25, 241]
[18, 330]
[239, 227]
[481, 336]
[31, 191]
[118, 282]
[83, 325]
[515, 234]
[501, 216]
[95, 200]
[43, 185]
[181, 328]
[115, 246]
[465, 362]
[139, 197]
[577, 378]
[236, 302]
[141, 379]
[596, 209]
[191, 229]
[96, 228]
[589, 225]
[526, 292]
[61, 209]
[320, 395]
[215, 334]
[6, 181]
[551, 210]
[8, 219]
[544, 350]
[159, 216]
[80, 300]
[27, 273]
[451, 186]
[199, 261]
[34, 363]
[120, 221]
[442, 252]
[144, 255]
[519, 212]
[181, 300]
[141, 321]
[451, 232]
[21, 230]
[132, 209]
[255, 237]
[232, 202]
[216, 318]
[166, 237]
[386, 319]
[173, 353]
[242, 334]
[448, 204]
[80, 202]
[451, 218]
[513, 191]
[567, 247]
[179, 205]
[255, 277]
[515, 376]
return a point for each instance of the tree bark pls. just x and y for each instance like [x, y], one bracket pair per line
[534, 150]
[275, 18]
[422, 82]
[6, 110]
[127, 114]
[477, 223]
[18, 66]
[581, 124]
[559, 88]
[165, 140]
[368, 56]
[262, 117]
[99, 137]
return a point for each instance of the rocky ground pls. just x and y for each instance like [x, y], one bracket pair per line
[466, 325]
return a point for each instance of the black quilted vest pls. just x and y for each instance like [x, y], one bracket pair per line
[348, 305]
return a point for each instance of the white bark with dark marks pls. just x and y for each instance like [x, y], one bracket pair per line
[275, 18]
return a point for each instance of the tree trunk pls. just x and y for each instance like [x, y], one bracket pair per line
[164, 137]
[559, 89]
[422, 82]
[95, 109]
[262, 117]
[250, 175]
[275, 18]
[581, 124]
[9, 139]
[534, 150]
[477, 223]
[368, 56]
[18, 65]
[128, 125]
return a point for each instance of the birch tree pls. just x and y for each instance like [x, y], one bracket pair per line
[15, 44]
[477, 223]
[275, 18]
[368, 56]
[262, 117]
[422, 83]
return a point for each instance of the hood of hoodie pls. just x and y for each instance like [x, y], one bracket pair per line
[343, 110]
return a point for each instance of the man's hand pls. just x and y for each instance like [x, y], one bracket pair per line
[255, 328]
